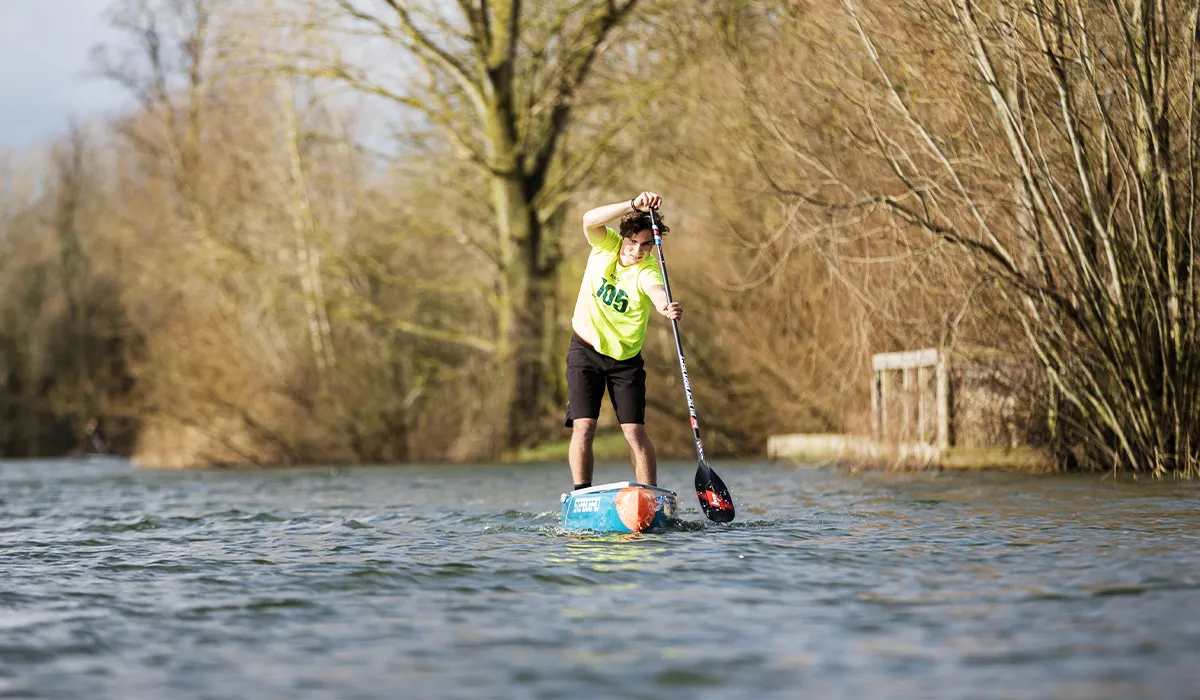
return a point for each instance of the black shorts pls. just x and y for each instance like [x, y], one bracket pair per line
[589, 373]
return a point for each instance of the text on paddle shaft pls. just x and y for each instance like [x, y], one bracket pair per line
[616, 298]
[687, 389]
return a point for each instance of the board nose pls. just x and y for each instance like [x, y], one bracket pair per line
[636, 508]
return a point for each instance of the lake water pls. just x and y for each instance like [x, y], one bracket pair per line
[454, 582]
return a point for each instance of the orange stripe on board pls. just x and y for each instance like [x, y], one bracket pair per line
[636, 507]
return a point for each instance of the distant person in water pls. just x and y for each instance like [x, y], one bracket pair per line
[621, 285]
[95, 436]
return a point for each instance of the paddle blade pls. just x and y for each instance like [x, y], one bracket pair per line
[713, 494]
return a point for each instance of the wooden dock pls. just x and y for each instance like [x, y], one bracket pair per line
[915, 424]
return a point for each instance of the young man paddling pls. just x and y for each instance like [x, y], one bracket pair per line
[621, 286]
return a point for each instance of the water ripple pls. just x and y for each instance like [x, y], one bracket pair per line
[457, 582]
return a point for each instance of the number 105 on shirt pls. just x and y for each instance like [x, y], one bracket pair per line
[616, 298]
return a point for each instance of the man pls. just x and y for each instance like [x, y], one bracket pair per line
[621, 286]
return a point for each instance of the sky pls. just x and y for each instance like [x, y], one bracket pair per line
[44, 68]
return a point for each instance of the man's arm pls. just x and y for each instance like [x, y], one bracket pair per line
[658, 294]
[595, 219]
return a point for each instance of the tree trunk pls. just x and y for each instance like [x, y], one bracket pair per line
[528, 279]
[508, 116]
[528, 359]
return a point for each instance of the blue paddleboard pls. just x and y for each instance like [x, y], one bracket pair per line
[623, 506]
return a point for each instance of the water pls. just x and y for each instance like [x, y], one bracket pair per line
[453, 582]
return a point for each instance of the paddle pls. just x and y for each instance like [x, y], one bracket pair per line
[712, 492]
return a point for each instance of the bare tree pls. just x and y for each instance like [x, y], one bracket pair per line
[502, 80]
[1053, 143]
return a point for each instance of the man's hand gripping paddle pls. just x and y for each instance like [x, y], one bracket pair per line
[712, 492]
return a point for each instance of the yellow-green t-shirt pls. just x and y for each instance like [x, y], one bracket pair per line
[613, 306]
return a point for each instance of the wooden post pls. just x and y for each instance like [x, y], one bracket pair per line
[875, 425]
[943, 402]
[883, 402]
[906, 404]
[922, 380]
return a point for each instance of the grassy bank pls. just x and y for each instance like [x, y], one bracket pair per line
[608, 445]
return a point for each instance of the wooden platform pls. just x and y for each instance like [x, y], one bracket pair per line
[820, 449]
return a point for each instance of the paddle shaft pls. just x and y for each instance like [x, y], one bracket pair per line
[687, 385]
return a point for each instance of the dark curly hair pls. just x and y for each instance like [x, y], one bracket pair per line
[637, 221]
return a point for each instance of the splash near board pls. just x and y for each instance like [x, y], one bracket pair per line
[623, 506]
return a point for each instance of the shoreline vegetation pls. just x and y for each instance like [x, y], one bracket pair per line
[286, 254]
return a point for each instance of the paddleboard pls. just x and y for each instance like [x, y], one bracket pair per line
[622, 506]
